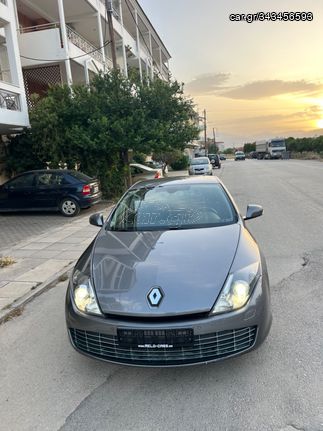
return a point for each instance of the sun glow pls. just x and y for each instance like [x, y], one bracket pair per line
[320, 123]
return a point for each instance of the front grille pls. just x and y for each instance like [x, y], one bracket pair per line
[206, 347]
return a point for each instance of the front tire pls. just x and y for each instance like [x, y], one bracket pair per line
[69, 207]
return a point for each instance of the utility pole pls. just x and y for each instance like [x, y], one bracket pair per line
[204, 118]
[214, 136]
[109, 7]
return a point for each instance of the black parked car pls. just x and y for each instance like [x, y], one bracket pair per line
[63, 190]
[215, 160]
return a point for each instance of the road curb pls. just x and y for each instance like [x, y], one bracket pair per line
[10, 311]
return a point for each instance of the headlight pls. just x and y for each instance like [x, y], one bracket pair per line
[237, 289]
[83, 294]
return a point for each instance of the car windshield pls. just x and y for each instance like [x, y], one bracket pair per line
[239, 153]
[277, 144]
[200, 161]
[168, 206]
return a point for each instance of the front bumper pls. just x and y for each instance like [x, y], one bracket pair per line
[200, 172]
[215, 337]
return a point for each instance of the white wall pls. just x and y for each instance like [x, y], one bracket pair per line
[9, 119]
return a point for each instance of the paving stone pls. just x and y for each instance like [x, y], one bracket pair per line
[72, 239]
[70, 254]
[20, 253]
[3, 283]
[4, 302]
[12, 272]
[44, 271]
[36, 245]
[46, 254]
[15, 289]
[59, 246]
[18, 227]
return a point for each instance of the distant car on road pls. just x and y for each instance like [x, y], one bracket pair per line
[239, 155]
[141, 172]
[50, 189]
[173, 278]
[215, 160]
[222, 157]
[200, 166]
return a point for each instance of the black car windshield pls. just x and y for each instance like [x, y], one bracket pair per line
[277, 144]
[168, 206]
[200, 161]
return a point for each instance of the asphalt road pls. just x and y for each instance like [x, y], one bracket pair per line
[45, 385]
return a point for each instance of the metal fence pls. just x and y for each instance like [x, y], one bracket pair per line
[9, 100]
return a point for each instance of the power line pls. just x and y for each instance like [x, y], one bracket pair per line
[69, 58]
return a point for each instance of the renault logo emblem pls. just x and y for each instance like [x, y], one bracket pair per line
[155, 296]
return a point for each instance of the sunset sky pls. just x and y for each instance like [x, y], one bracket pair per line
[257, 80]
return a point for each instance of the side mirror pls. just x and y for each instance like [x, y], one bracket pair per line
[253, 211]
[97, 219]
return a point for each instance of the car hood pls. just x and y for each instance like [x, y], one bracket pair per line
[190, 266]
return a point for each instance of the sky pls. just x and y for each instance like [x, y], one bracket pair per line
[256, 80]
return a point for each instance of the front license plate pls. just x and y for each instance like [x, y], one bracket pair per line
[155, 338]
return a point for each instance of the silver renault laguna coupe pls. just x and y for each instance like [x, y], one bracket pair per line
[173, 278]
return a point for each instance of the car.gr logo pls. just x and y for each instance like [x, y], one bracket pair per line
[155, 296]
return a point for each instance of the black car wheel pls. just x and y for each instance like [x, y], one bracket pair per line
[69, 207]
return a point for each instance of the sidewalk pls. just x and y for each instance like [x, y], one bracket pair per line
[43, 260]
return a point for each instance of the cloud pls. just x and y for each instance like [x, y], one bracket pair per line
[313, 112]
[264, 89]
[207, 83]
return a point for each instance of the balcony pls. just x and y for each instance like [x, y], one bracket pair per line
[45, 42]
[84, 45]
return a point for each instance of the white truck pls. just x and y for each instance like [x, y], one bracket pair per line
[271, 149]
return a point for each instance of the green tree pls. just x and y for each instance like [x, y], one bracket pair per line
[249, 147]
[95, 127]
[229, 151]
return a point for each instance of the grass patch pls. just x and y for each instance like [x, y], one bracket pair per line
[6, 261]
[62, 277]
[14, 313]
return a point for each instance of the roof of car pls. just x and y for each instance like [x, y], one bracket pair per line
[178, 181]
[48, 171]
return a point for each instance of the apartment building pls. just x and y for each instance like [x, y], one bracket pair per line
[13, 107]
[67, 41]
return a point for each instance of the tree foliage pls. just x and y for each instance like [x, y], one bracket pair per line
[95, 126]
[249, 147]
[229, 151]
[300, 145]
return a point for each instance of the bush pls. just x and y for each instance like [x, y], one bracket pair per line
[180, 163]
[139, 158]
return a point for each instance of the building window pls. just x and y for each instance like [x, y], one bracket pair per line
[5, 74]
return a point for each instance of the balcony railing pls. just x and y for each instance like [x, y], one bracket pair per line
[40, 27]
[9, 100]
[84, 44]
